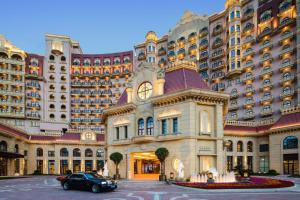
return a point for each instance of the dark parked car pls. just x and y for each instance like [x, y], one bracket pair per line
[87, 181]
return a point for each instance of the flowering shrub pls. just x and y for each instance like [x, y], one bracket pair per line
[255, 182]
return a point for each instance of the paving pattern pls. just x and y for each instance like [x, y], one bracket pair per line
[47, 188]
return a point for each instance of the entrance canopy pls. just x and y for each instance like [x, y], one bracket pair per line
[5, 154]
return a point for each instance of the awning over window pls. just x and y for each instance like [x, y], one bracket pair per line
[5, 154]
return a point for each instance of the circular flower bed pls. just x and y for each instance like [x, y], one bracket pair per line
[254, 182]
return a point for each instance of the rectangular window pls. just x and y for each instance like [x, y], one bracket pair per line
[117, 133]
[125, 132]
[51, 153]
[250, 162]
[164, 126]
[263, 147]
[229, 163]
[175, 125]
[263, 164]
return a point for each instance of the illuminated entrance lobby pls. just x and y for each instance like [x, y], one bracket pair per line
[145, 166]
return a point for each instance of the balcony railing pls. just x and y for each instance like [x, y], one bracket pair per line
[287, 93]
[284, 79]
[268, 98]
[266, 112]
[266, 71]
[248, 116]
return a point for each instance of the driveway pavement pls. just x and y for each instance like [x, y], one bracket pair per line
[47, 188]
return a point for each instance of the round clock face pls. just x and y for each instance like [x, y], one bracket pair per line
[145, 90]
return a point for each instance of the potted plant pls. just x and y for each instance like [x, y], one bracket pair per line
[116, 157]
[162, 154]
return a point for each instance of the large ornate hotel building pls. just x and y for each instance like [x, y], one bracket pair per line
[70, 110]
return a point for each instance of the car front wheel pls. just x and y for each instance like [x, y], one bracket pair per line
[66, 186]
[95, 188]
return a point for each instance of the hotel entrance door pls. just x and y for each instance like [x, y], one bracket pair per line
[146, 166]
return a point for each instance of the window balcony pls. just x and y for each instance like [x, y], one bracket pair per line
[181, 54]
[217, 31]
[285, 79]
[171, 45]
[249, 103]
[248, 78]
[247, 15]
[248, 28]
[203, 45]
[217, 54]
[266, 46]
[266, 85]
[266, 71]
[249, 52]
[286, 36]
[162, 51]
[234, 96]
[268, 58]
[266, 112]
[192, 38]
[33, 115]
[203, 66]
[265, 33]
[217, 65]
[233, 107]
[203, 32]
[248, 116]
[288, 50]
[286, 22]
[249, 64]
[249, 90]
[141, 56]
[181, 42]
[264, 99]
[287, 65]
[287, 93]
[203, 56]
[248, 40]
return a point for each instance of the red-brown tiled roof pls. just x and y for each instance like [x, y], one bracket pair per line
[182, 79]
[291, 119]
[235, 128]
[177, 80]
[9, 130]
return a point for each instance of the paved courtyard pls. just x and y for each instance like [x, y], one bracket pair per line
[47, 188]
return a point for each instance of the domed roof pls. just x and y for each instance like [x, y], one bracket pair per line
[151, 35]
[177, 80]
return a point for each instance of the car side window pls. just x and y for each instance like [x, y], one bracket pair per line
[73, 176]
[79, 176]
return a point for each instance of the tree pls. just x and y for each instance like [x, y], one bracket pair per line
[162, 153]
[116, 157]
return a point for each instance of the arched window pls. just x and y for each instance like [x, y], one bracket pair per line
[250, 146]
[230, 146]
[3, 146]
[52, 116]
[16, 148]
[63, 107]
[39, 152]
[239, 147]
[51, 57]
[100, 153]
[149, 126]
[76, 152]
[290, 142]
[205, 125]
[287, 104]
[63, 59]
[141, 126]
[64, 152]
[63, 116]
[52, 106]
[88, 153]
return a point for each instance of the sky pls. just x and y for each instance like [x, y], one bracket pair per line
[100, 26]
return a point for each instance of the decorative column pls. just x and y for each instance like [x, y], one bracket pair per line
[129, 91]
[160, 82]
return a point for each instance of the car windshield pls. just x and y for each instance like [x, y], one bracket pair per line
[90, 176]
